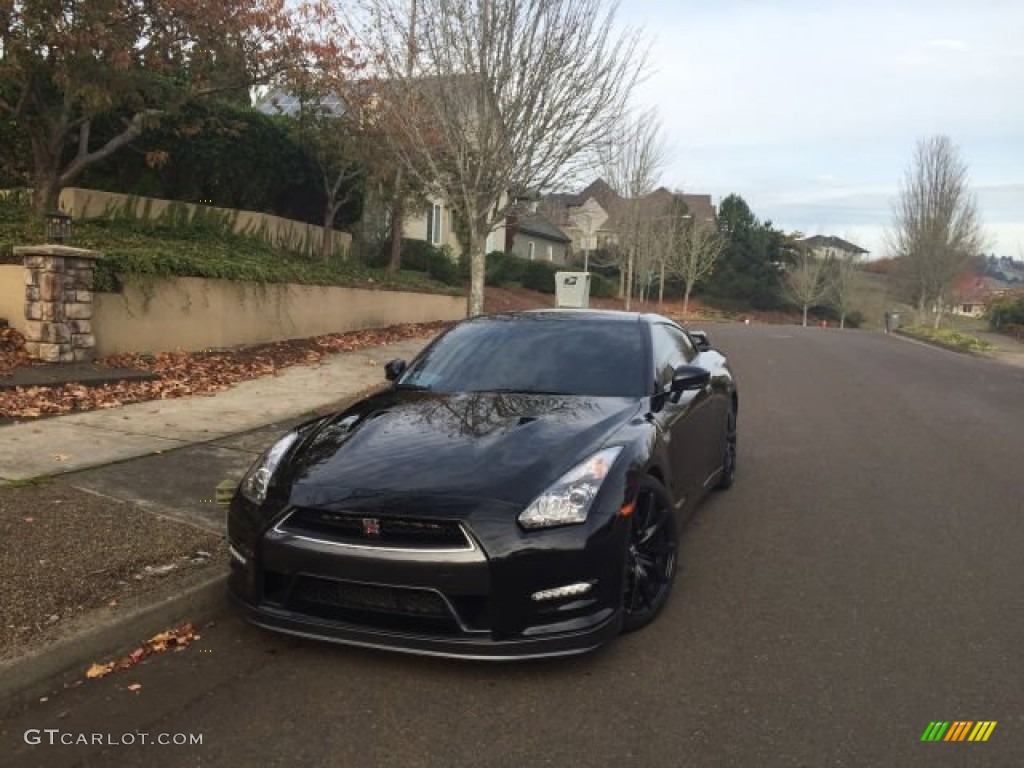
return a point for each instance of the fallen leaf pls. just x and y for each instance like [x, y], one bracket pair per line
[30, 519]
[60, 457]
[135, 687]
[99, 670]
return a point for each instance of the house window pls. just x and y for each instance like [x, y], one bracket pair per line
[489, 243]
[434, 225]
[533, 247]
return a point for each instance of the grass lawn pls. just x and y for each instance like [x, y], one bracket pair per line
[149, 249]
[948, 337]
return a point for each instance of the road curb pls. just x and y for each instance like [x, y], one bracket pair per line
[110, 634]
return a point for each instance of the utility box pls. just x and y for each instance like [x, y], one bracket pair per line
[572, 289]
[893, 321]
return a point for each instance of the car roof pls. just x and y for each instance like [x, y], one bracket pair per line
[611, 315]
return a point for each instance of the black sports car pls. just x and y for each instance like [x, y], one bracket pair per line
[517, 492]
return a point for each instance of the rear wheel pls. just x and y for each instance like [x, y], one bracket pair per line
[728, 476]
[650, 557]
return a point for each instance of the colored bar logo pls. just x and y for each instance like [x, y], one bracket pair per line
[959, 730]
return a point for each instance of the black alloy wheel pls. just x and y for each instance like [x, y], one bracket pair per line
[650, 556]
[728, 476]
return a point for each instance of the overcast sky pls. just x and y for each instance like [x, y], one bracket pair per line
[810, 110]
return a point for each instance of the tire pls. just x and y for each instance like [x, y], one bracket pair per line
[728, 476]
[651, 556]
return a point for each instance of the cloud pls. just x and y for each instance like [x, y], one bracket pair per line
[949, 45]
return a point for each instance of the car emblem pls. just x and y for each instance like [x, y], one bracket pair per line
[371, 526]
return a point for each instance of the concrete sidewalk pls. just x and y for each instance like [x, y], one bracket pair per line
[78, 441]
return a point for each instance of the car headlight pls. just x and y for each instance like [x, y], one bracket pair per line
[569, 499]
[257, 480]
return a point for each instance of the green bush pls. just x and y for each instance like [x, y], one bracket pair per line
[854, 319]
[504, 268]
[602, 287]
[1006, 310]
[421, 256]
[539, 276]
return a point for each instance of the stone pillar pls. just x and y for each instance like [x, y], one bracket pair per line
[58, 302]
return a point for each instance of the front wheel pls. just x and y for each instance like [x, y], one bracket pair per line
[650, 556]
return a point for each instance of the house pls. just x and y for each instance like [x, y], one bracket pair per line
[596, 218]
[829, 247]
[531, 235]
[972, 294]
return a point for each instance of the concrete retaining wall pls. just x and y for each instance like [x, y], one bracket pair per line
[193, 313]
[12, 295]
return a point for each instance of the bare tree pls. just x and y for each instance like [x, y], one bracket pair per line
[500, 96]
[632, 155]
[695, 247]
[936, 227]
[842, 276]
[806, 280]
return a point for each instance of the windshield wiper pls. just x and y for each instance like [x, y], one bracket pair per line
[413, 387]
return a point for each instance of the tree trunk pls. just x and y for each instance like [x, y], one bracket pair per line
[47, 193]
[686, 299]
[805, 315]
[661, 287]
[842, 320]
[920, 308]
[629, 280]
[938, 313]
[397, 224]
[477, 267]
[622, 281]
[327, 235]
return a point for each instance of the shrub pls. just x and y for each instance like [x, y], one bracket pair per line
[602, 287]
[539, 276]
[854, 319]
[504, 268]
[1006, 310]
[421, 256]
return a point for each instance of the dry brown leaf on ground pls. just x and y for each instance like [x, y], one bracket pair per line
[99, 670]
[183, 374]
[177, 638]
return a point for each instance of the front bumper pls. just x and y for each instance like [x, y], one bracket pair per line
[474, 603]
[482, 647]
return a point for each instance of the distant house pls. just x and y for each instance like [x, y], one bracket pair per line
[972, 294]
[596, 217]
[531, 235]
[827, 247]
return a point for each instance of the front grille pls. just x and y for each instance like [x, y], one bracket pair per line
[367, 530]
[400, 608]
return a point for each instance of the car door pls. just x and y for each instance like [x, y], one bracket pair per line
[680, 417]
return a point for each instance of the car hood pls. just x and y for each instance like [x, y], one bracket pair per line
[402, 444]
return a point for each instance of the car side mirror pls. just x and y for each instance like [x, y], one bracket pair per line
[700, 340]
[688, 378]
[393, 369]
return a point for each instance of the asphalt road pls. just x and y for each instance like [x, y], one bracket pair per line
[863, 578]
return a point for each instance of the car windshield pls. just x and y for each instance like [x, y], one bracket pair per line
[552, 354]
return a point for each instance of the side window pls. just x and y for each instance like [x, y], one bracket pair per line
[670, 349]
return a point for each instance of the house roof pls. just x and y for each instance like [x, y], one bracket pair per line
[823, 241]
[538, 225]
[557, 207]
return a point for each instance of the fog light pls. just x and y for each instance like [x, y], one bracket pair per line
[569, 590]
[236, 555]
